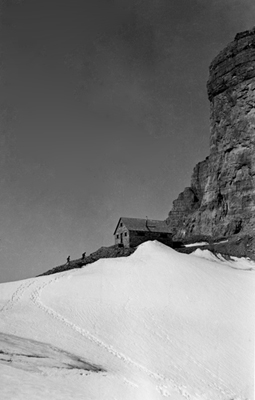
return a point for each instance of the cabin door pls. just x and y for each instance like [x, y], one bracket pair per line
[121, 238]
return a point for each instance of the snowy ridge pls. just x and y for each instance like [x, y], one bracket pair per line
[160, 323]
[233, 262]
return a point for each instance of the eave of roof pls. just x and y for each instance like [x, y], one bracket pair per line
[144, 225]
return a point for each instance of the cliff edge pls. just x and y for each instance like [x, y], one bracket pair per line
[220, 202]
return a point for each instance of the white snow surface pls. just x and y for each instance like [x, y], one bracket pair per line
[196, 244]
[233, 262]
[160, 324]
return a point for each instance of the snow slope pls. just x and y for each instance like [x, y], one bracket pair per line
[157, 324]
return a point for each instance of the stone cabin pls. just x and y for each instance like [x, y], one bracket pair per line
[130, 232]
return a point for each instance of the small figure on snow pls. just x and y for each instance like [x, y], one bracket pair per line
[83, 255]
[68, 260]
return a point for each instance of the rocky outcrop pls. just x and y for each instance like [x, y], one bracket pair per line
[220, 201]
[104, 252]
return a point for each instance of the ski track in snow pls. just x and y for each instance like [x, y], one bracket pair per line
[164, 390]
[164, 385]
[220, 387]
[164, 336]
[17, 296]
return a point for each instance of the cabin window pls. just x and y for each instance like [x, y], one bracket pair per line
[125, 233]
[117, 236]
[121, 224]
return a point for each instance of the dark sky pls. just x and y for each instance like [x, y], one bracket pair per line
[103, 113]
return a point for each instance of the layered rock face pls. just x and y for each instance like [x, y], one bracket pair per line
[220, 201]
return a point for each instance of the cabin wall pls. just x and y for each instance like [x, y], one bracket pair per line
[122, 236]
[136, 238]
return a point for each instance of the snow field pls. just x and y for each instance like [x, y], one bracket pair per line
[162, 324]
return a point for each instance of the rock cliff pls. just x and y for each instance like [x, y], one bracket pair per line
[220, 202]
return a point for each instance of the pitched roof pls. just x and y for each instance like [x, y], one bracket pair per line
[145, 225]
